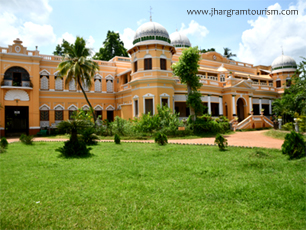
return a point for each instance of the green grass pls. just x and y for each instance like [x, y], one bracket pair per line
[146, 186]
[279, 134]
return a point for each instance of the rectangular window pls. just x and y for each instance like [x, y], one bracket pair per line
[58, 115]
[71, 113]
[149, 106]
[164, 101]
[44, 115]
[99, 114]
[135, 66]
[136, 108]
[288, 82]
[163, 64]
[148, 63]
[278, 84]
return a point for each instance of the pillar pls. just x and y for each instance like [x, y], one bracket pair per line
[260, 105]
[209, 105]
[220, 106]
[234, 105]
[250, 103]
[270, 107]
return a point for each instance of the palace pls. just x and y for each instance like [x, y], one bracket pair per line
[33, 95]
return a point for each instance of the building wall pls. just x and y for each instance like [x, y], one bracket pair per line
[241, 80]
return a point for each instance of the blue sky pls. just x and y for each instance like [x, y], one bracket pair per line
[255, 39]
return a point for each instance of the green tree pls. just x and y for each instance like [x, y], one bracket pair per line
[187, 69]
[61, 50]
[112, 46]
[228, 54]
[208, 50]
[77, 65]
[294, 98]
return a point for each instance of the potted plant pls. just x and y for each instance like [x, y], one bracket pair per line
[262, 111]
[252, 112]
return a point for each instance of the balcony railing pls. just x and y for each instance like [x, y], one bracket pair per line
[11, 83]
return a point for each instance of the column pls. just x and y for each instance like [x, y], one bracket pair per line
[260, 105]
[51, 82]
[234, 105]
[209, 105]
[270, 107]
[250, 103]
[220, 106]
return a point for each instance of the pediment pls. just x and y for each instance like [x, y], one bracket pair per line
[214, 56]
[244, 84]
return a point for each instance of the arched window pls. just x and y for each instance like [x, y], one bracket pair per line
[44, 115]
[16, 76]
[58, 83]
[98, 85]
[59, 113]
[72, 85]
[109, 84]
[44, 82]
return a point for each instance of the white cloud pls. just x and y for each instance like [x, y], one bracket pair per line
[30, 33]
[194, 29]
[35, 10]
[262, 43]
[66, 36]
[127, 37]
[141, 21]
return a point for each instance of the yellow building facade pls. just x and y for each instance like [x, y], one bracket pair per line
[33, 95]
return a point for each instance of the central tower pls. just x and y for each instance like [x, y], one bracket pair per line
[151, 58]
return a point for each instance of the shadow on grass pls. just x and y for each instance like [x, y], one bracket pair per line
[76, 157]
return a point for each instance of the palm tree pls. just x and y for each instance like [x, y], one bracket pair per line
[76, 65]
[228, 54]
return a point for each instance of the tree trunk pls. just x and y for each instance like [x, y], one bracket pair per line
[74, 135]
[192, 113]
[92, 110]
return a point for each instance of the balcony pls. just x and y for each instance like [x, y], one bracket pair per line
[16, 84]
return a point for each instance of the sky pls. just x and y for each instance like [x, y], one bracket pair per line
[256, 39]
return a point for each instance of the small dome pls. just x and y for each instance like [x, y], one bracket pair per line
[151, 31]
[283, 63]
[179, 40]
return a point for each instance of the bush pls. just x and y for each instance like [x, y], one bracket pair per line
[28, 140]
[117, 139]
[89, 137]
[288, 126]
[294, 145]
[3, 143]
[302, 124]
[206, 124]
[221, 142]
[74, 149]
[2, 150]
[161, 138]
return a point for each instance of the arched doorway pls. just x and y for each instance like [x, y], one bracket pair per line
[240, 109]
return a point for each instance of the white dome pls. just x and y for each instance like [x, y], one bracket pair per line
[283, 63]
[179, 40]
[151, 31]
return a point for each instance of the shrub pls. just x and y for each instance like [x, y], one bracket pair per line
[117, 139]
[288, 126]
[221, 142]
[74, 149]
[28, 140]
[89, 137]
[161, 138]
[2, 150]
[294, 145]
[302, 124]
[3, 143]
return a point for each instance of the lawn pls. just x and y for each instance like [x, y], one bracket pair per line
[146, 186]
[279, 134]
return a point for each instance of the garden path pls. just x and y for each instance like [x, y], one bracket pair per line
[249, 139]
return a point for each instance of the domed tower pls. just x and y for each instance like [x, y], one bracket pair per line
[179, 40]
[151, 57]
[282, 69]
